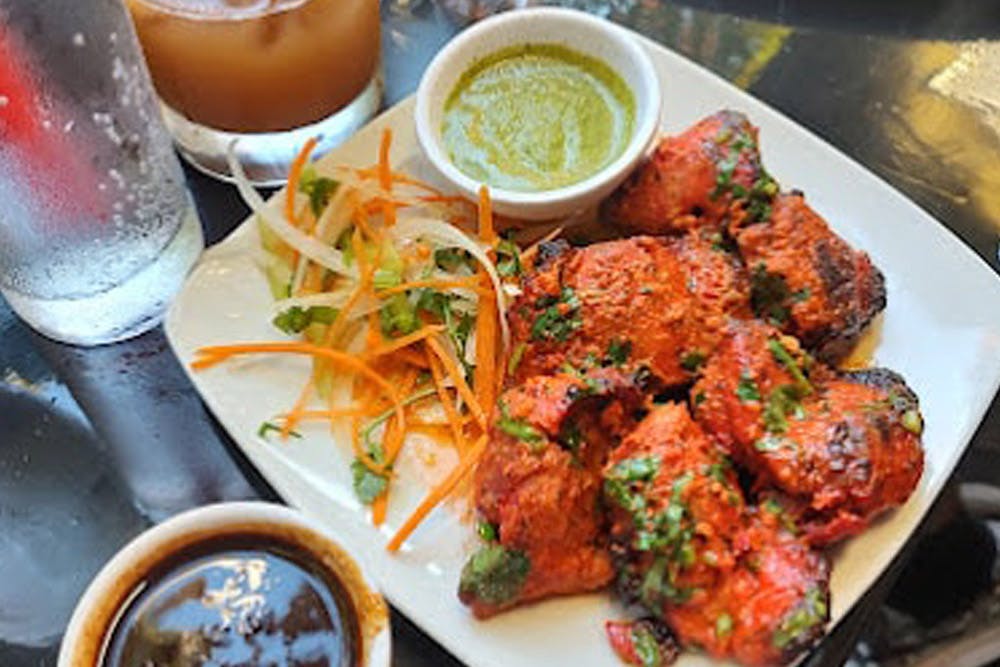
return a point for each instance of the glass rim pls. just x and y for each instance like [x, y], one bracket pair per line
[219, 13]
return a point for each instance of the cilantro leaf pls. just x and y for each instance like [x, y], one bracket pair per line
[517, 428]
[368, 484]
[319, 189]
[296, 319]
[746, 389]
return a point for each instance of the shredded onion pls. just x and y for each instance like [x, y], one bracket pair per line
[449, 236]
[324, 255]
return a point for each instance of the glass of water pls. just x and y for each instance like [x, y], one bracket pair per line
[97, 228]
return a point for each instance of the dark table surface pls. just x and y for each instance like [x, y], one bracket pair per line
[96, 444]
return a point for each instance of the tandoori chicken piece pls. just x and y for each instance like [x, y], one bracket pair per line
[538, 489]
[694, 179]
[688, 548]
[655, 303]
[834, 449]
[806, 280]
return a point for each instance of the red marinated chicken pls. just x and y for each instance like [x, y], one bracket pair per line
[693, 180]
[807, 280]
[578, 489]
[836, 448]
[688, 548]
[538, 489]
[654, 303]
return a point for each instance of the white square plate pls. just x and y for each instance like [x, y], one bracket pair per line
[941, 330]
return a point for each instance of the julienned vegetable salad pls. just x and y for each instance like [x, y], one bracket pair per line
[397, 291]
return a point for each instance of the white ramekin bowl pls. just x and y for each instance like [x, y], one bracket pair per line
[97, 610]
[572, 29]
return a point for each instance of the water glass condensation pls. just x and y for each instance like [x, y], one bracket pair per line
[265, 74]
[97, 228]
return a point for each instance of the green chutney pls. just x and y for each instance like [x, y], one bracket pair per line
[537, 117]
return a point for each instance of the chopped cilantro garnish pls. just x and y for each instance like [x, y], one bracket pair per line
[515, 357]
[570, 436]
[487, 531]
[517, 428]
[723, 625]
[618, 351]
[560, 318]
[783, 402]
[717, 471]
[912, 421]
[296, 319]
[636, 470]
[769, 295]
[386, 278]
[746, 389]
[318, 188]
[769, 443]
[803, 620]
[452, 259]
[368, 484]
[508, 258]
[785, 358]
[269, 427]
[773, 506]
[494, 575]
[692, 361]
[645, 646]
[760, 196]
[398, 316]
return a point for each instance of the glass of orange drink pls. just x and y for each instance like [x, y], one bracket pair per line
[269, 74]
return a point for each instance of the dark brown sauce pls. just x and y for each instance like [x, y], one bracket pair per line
[237, 600]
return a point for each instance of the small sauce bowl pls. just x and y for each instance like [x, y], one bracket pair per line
[273, 561]
[574, 30]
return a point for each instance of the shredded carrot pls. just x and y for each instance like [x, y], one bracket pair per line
[361, 221]
[379, 507]
[454, 421]
[384, 168]
[213, 355]
[437, 494]
[292, 418]
[486, 355]
[294, 175]
[486, 319]
[394, 438]
[385, 177]
[459, 381]
[442, 199]
[394, 434]
[468, 281]
[486, 233]
[377, 173]
[405, 341]
[373, 339]
[412, 358]
[408, 382]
